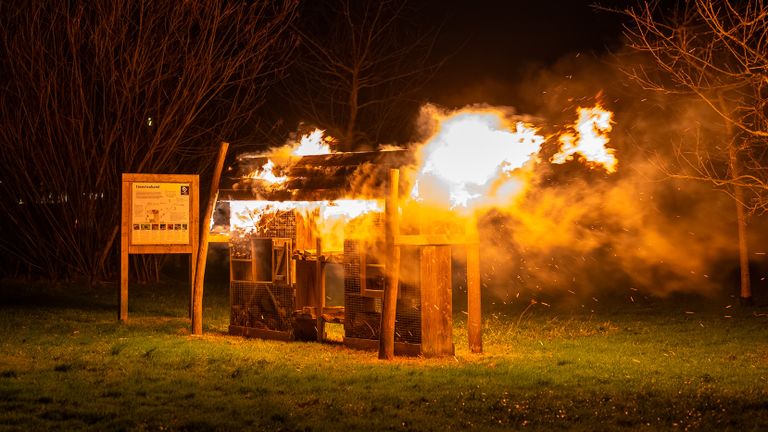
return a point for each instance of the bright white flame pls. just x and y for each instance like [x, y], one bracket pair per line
[589, 139]
[245, 215]
[312, 144]
[350, 208]
[472, 149]
[267, 174]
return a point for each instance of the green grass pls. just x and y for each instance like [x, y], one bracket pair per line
[66, 364]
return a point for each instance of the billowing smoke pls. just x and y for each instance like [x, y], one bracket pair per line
[572, 231]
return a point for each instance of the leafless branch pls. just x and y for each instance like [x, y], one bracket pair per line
[358, 63]
[94, 89]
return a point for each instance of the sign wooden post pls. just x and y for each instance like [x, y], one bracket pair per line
[160, 215]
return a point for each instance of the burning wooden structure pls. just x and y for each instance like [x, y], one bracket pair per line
[289, 224]
[396, 257]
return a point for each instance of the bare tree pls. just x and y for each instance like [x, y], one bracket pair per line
[716, 51]
[94, 89]
[358, 64]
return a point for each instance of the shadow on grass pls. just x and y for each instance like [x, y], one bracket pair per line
[169, 299]
[41, 295]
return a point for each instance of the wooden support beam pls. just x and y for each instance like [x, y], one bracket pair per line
[122, 310]
[436, 306]
[319, 274]
[202, 253]
[474, 309]
[320, 289]
[389, 301]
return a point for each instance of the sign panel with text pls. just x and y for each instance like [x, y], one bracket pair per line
[160, 213]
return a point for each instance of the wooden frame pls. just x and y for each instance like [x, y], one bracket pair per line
[364, 265]
[435, 262]
[129, 234]
[282, 255]
[280, 262]
[399, 348]
[251, 332]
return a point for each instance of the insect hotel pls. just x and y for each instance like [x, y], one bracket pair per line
[322, 238]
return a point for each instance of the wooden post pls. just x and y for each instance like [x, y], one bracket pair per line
[202, 253]
[474, 310]
[436, 308]
[122, 310]
[389, 301]
[319, 275]
[320, 290]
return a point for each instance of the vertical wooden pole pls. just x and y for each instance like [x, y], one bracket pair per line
[389, 300]
[254, 264]
[319, 276]
[202, 253]
[192, 265]
[194, 238]
[319, 290]
[474, 309]
[122, 313]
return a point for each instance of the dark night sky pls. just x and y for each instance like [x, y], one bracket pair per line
[492, 43]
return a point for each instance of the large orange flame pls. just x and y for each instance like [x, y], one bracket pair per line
[474, 158]
[313, 143]
[588, 139]
[468, 161]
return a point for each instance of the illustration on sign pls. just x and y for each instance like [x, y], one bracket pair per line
[160, 213]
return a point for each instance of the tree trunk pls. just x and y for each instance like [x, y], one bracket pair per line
[349, 133]
[745, 291]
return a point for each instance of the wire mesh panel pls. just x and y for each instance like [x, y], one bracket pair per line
[280, 223]
[352, 267]
[261, 305]
[363, 313]
[261, 294]
[408, 315]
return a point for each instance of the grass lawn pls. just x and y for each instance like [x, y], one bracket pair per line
[66, 364]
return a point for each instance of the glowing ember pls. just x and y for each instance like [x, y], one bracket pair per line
[266, 173]
[471, 149]
[313, 144]
[589, 139]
